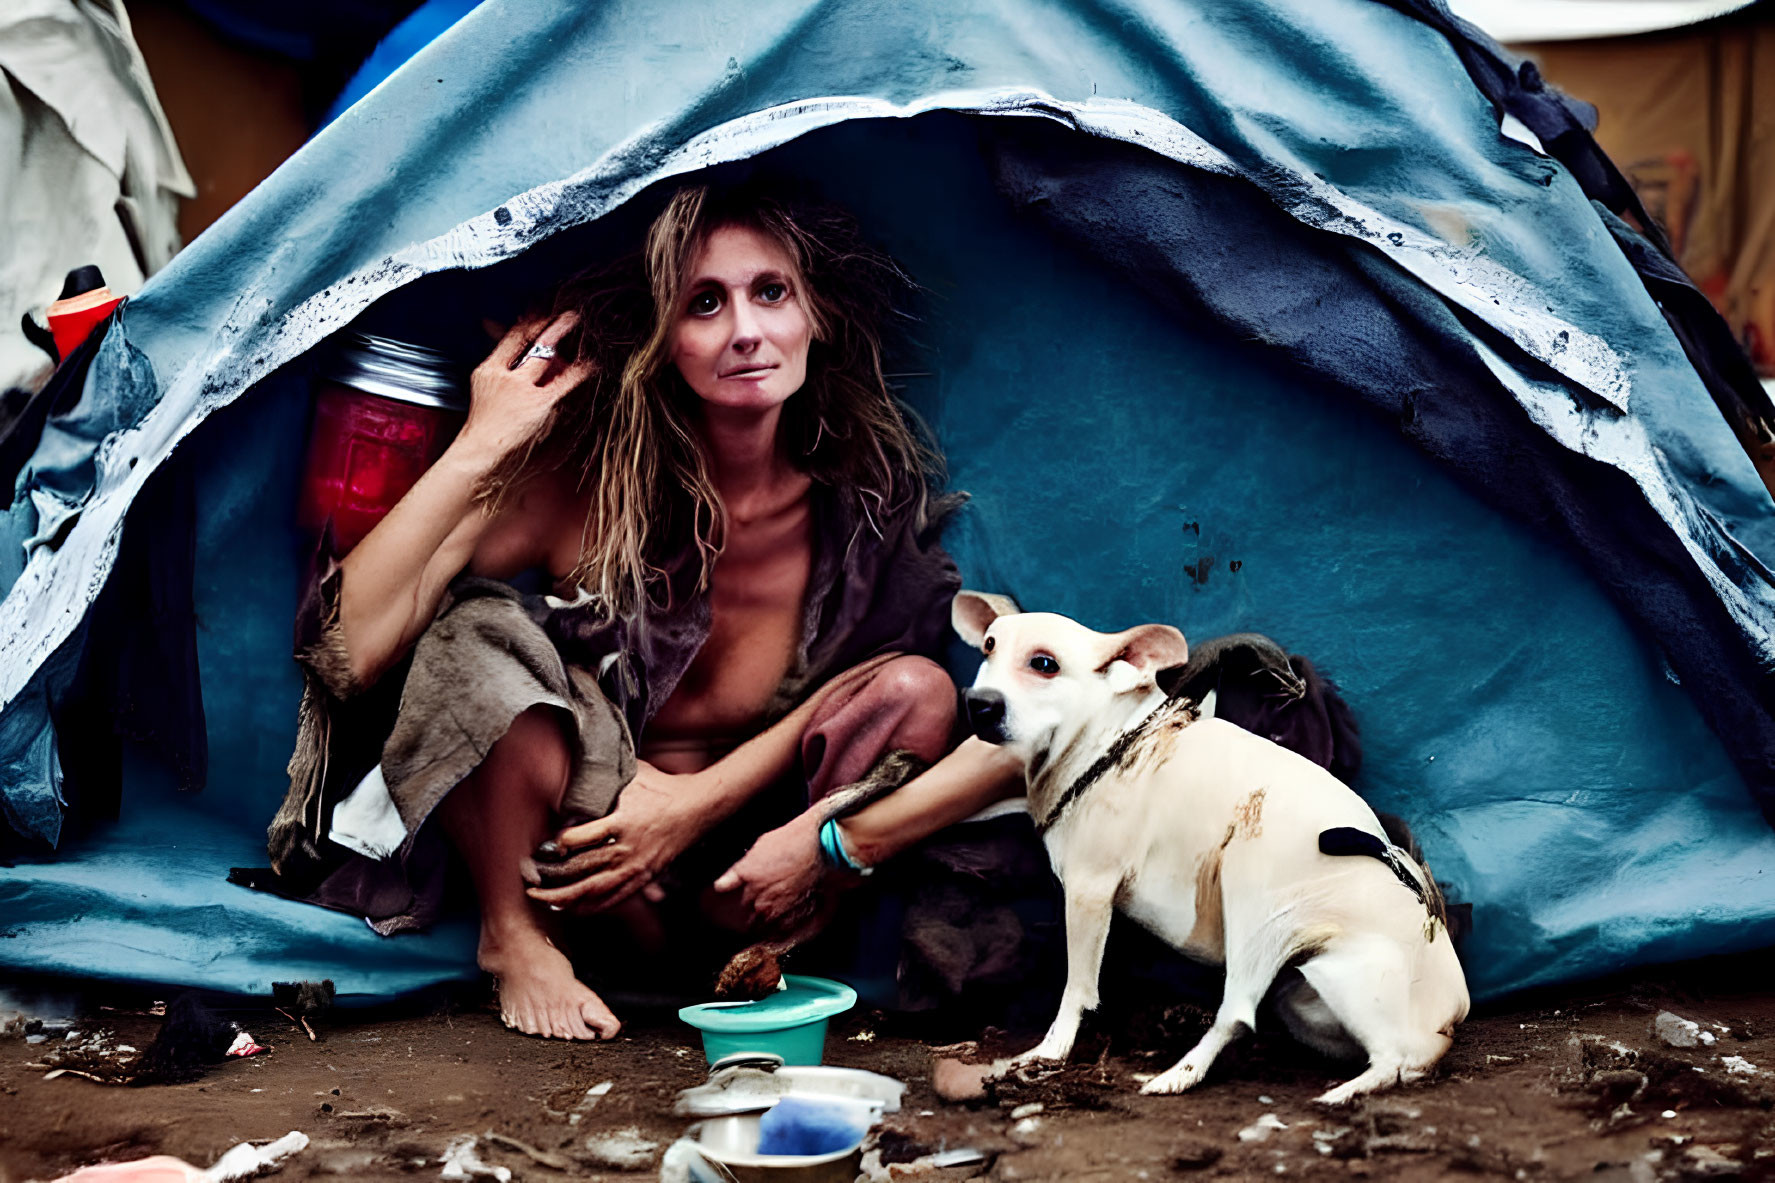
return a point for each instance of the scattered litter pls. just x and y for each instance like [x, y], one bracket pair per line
[954, 1080]
[863, 1037]
[191, 1039]
[1706, 1161]
[243, 1045]
[35, 1038]
[240, 1162]
[961, 1156]
[158, 1168]
[461, 1162]
[1029, 1110]
[1265, 1101]
[1738, 1065]
[247, 1160]
[1668, 1114]
[627, 1149]
[1027, 1132]
[300, 1021]
[547, 1158]
[1680, 1032]
[809, 1126]
[1325, 1141]
[1491, 1059]
[1262, 1128]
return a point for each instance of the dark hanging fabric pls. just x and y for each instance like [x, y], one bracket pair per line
[137, 680]
[1339, 312]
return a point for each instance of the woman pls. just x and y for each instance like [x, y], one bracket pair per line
[734, 512]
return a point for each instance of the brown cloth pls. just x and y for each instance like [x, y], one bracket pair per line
[492, 652]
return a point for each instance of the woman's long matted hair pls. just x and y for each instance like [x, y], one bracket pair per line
[628, 432]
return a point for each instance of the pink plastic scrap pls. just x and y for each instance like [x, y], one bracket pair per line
[243, 1045]
[162, 1168]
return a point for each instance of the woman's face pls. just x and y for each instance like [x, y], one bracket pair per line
[743, 330]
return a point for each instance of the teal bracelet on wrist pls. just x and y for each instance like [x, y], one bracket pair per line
[832, 847]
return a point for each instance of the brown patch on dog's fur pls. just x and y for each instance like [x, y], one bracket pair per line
[1248, 817]
[1209, 929]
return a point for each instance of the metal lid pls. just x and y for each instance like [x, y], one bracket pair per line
[397, 370]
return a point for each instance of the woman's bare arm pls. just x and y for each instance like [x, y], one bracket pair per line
[660, 814]
[976, 774]
[785, 866]
[393, 581]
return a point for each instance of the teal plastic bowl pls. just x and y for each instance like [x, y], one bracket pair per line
[790, 1023]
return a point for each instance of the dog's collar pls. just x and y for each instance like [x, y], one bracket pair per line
[1112, 756]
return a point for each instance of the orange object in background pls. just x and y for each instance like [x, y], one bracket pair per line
[84, 302]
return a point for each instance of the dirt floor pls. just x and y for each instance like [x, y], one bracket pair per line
[1574, 1085]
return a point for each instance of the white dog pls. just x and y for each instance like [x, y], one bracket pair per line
[1231, 848]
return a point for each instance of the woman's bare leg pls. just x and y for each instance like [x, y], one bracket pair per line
[496, 818]
[908, 703]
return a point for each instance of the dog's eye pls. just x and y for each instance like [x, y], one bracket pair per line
[987, 647]
[1044, 665]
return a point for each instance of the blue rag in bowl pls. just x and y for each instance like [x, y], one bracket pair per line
[797, 1125]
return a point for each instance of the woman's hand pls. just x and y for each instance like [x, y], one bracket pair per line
[513, 394]
[602, 863]
[780, 875]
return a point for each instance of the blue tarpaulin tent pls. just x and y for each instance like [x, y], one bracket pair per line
[1312, 317]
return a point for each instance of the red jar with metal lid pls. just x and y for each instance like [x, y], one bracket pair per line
[384, 411]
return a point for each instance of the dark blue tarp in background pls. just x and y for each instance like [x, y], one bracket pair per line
[1240, 318]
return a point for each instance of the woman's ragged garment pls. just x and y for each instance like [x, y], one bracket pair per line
[371, 762]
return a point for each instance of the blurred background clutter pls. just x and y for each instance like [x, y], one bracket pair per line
[1685, 99]
[129, 128]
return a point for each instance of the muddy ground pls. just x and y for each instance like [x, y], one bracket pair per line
[1559, 1086]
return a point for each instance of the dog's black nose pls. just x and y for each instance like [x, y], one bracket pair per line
[986, 714]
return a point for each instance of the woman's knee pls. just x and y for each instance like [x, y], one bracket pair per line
[928, 695]
[533, 756]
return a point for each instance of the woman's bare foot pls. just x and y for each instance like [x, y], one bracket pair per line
[538, 993]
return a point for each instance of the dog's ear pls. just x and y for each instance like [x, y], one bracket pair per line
[1140, 653]
[973, 613]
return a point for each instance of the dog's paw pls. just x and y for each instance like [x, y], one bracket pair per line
[1179, 1078]
[1037, 1058]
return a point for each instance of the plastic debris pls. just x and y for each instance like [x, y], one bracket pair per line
[957, 1081]
[243, 1045]
[548, 1158]
[627, 1149]
[1677, 1031]
[461, 1162]
[1738, 1065]
[246, 1160]
[1262, 1128]
[160, 1168]
[804, 1126]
